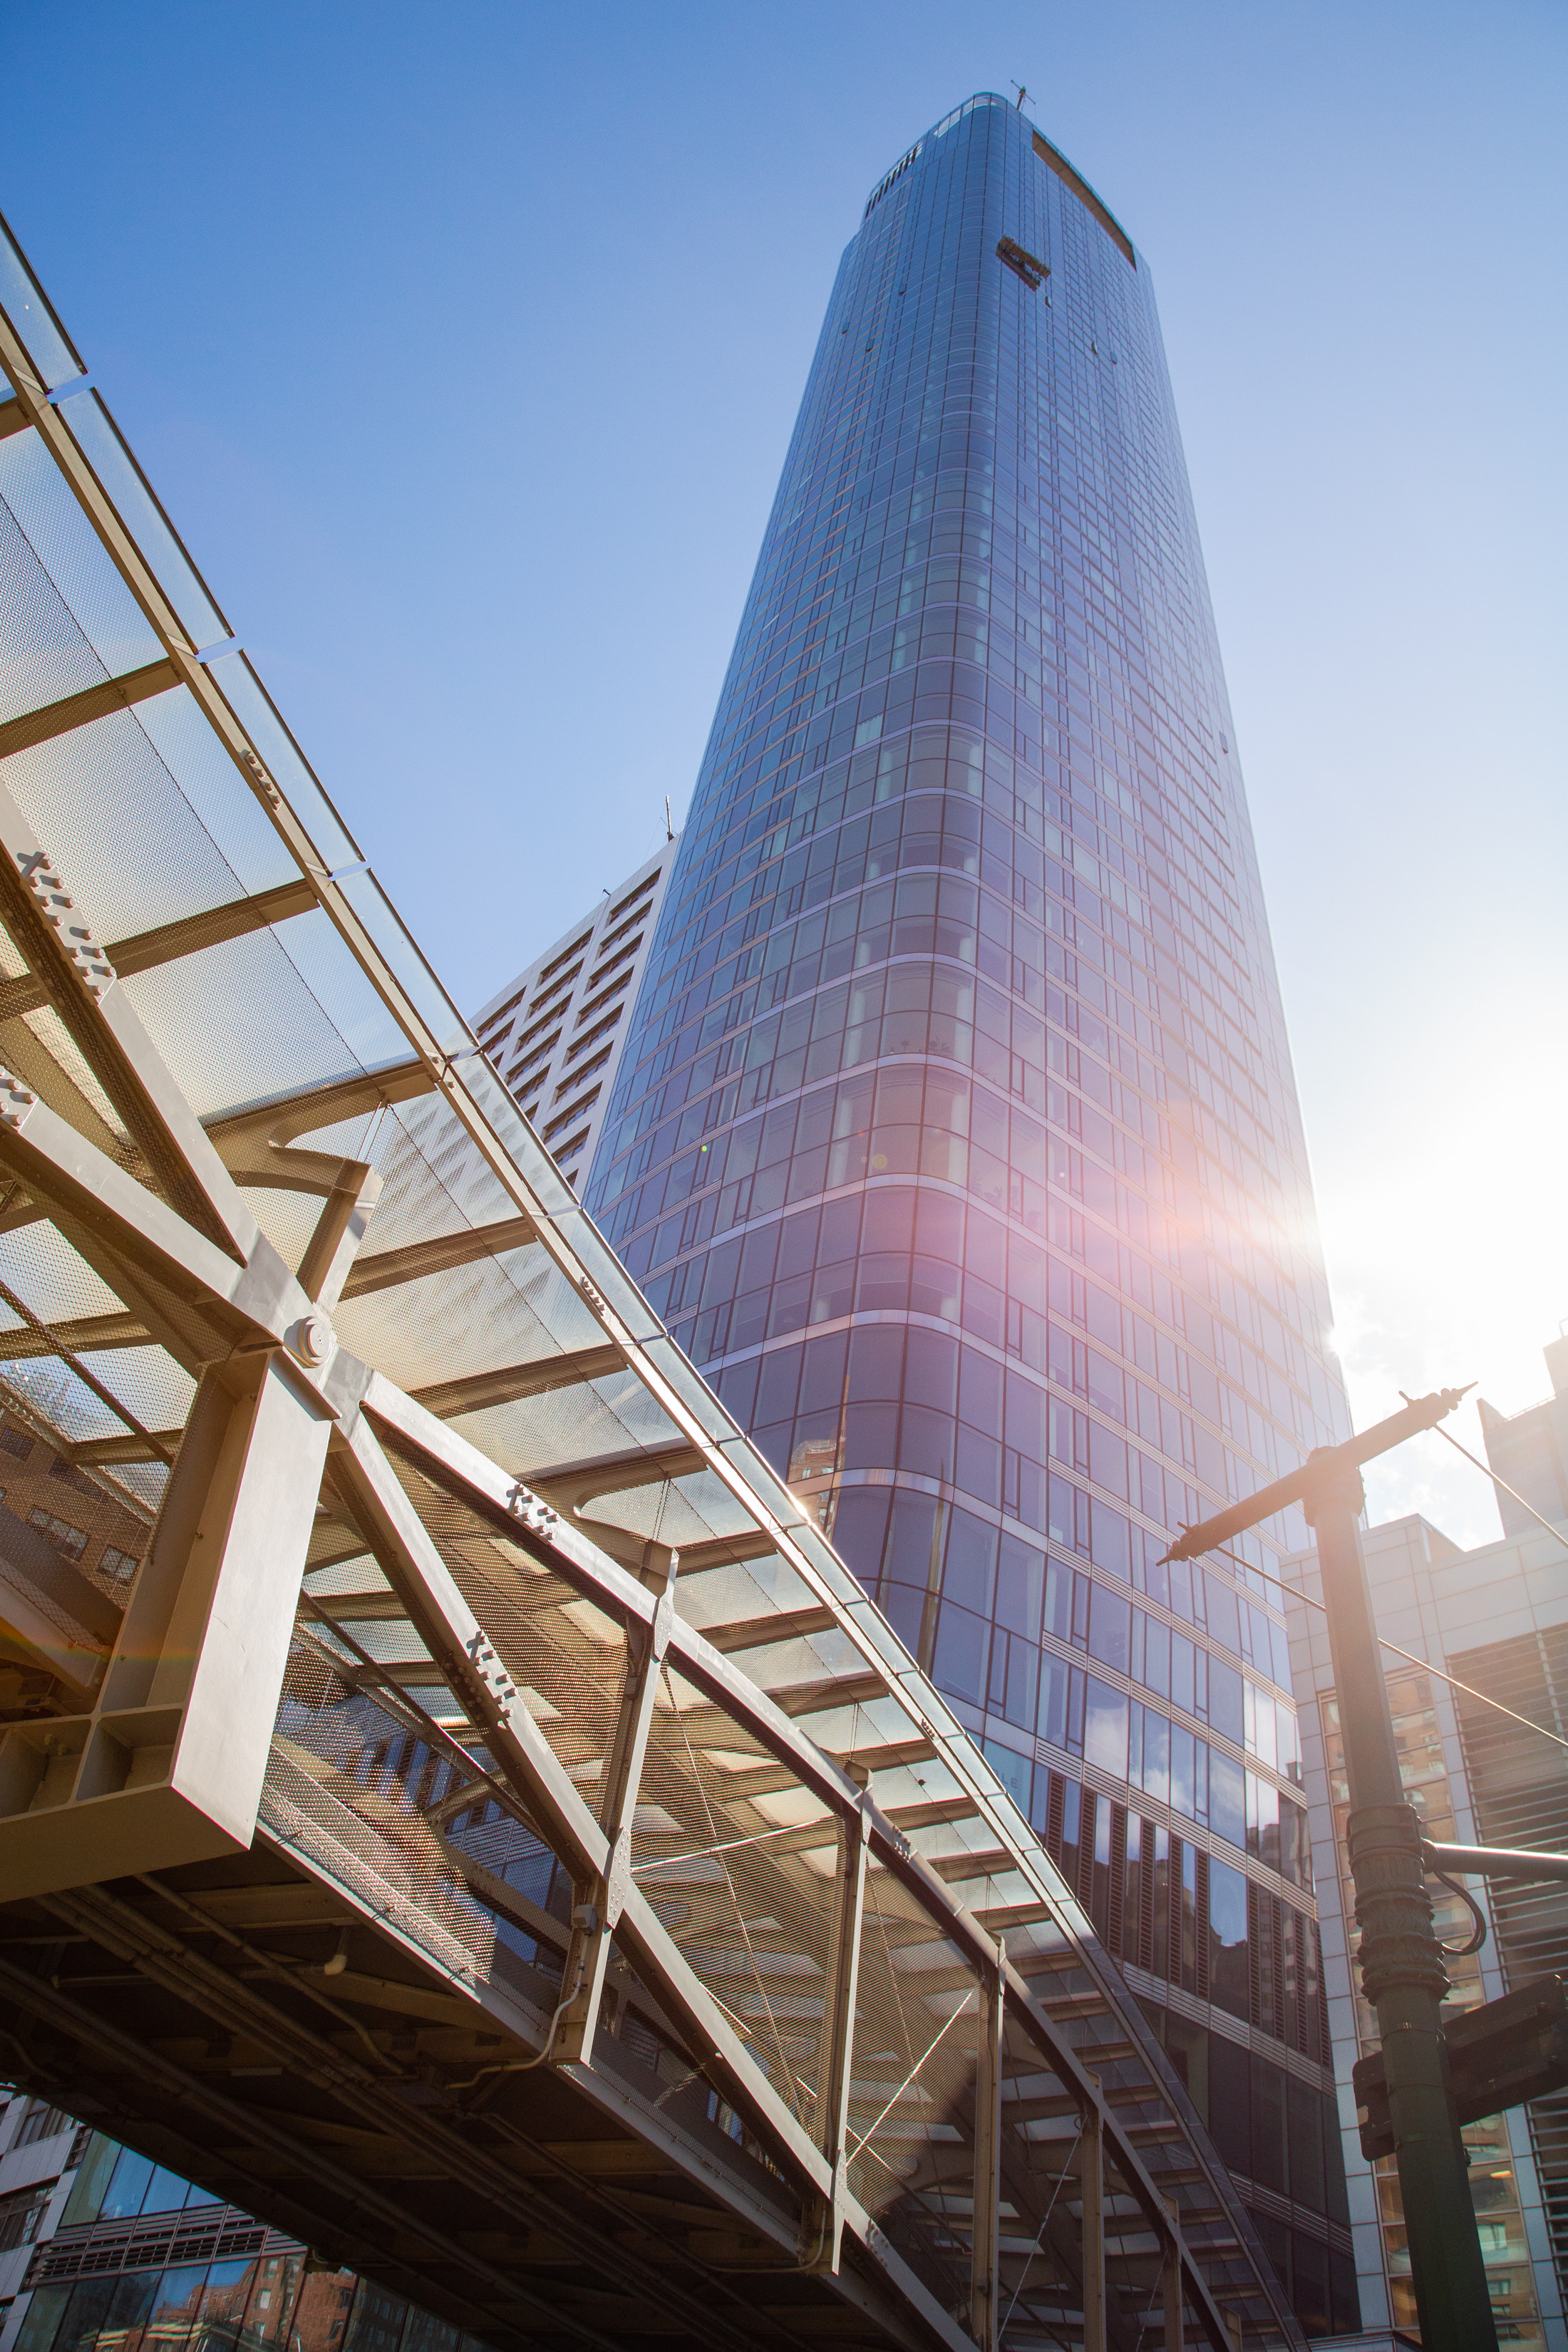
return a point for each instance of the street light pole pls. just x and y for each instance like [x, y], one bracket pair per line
[1402, 1970]
[1400, 1960]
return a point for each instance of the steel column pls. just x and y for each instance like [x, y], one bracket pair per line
[838, 2023]
[169, 1766]
[989, 2043]
[1091, 2183]
[600, 1899]
[1170, 2287]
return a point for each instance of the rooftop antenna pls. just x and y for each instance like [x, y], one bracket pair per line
[669, 826]
[1023, 94]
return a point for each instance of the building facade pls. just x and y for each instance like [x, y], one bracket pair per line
[954, 1135]
[1529, 1449]
[103, 2250]
[1496, 1619]
[555, 1034]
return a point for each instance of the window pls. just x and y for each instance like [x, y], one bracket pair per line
[21, 2213]
[14, 1441]
[631, 897]
[556, 962]
[71, 1540]
[120, 1565]
[500, 1012]
[41, 2122]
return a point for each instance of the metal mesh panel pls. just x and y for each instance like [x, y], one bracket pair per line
[287, 1219]
[43, 654]
[62, 538]
[48, 1059]
[566, 1656]
[40, 1266]
[56, 1393]
[223, 804]
[348, 1786]
[123, 839]
[738, 1863]
[912, 2099]
[330, 1767]
[264, 1032]
[146, 1380]
[143, 1481]
[732, 1594]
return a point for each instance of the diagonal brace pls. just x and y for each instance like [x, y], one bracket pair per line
[601, 1899]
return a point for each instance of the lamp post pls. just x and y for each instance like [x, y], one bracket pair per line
[1402, 1968]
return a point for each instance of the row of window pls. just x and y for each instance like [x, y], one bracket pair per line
[868, 1251]
[119, 1566]
[270, 2300]
[830, 864]
[843, 1275]
[1112, 1035]
[1083, 1717]
[680, 1132]
[1161, 1902]
[1089, 894]
[908, 1547]
[886, 545]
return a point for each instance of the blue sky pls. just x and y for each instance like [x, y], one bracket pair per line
[463, 343]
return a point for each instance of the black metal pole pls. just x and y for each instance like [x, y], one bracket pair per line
[1400, 1960]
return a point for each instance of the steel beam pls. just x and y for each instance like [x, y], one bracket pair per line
[476, 1392]
[236, 918]
[465, 1655]
[257, 1146]
[569, 1485]
[80, 709]
[81, 1333]
[385, 1269]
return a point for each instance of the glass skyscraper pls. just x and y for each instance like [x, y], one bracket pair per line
[955, 1136]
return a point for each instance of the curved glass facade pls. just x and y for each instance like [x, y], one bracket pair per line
[955, 1138]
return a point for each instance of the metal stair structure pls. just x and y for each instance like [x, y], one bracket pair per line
[494, 1839]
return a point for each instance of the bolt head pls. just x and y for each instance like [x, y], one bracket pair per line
[313, 1340]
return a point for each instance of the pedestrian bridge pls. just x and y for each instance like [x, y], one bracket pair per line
[492, 1837]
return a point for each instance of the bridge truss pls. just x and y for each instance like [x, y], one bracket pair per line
[495, 1840]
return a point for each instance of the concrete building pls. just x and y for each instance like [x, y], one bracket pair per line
[1497, 1618]
[556, 1032]
[956, 1139]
